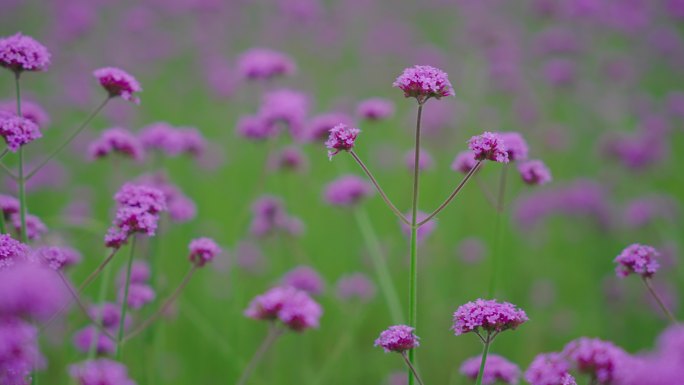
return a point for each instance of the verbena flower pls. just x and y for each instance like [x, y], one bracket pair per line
[347, 190]
[637, 259]
[287, 107]
[595, 357]
[85, 338]
[172, 141]
[424, 163]
[516, 146]
[341, 138]
[265, 64]
[180, 207]
[549, 369]
[255, 127]
[497, 369]
[35, 228]
[489, 146]
[139, 295]
[118, 83]
[138, 209]
[304, 278]
[489, 316]
[270, 217]
[203, 250]
[290, 158]
[140, 273]
[355, 286]
[109, 315]
[31, 290]
[319, 126]
[57, 257]
[116, 140]
[100, 372]
[375, 109]
[9, 205]
[23, 53]
[398, 338]
[424, 82]
[18, 131]
[293, 307]
[29, 110]
[534, 172]
[11, 251]
[19, 351]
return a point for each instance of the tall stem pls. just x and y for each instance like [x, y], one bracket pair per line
[124, 302]
[387, 287]
[21, 180]
[377, 187]
[100, 299]
[69, 139]
[97, 270]
[663, 307]
[453, 194]
[273, 333]
[413, 273]
[485, 351]
[496, 257]
[411, 368]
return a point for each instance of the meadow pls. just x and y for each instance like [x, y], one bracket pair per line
[199, 161]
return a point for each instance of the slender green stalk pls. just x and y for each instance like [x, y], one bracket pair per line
[273, 333]
[3, 153]
[21, 180]
[69, 139]
[452, 195]
[485, 351]
[389, 291]
[124, 302]
[411, 368]
[659, 300]
[3, 227]
[104, 284]
[413, 273]
[496, 257]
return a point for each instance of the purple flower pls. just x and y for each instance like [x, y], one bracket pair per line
[347, 190]
[464, 162]
[22, 53]
[255, 128]
[291, 306]
[487, 315]
[516, 146]
[100, 372]
[595, 357]
[270, 217]
[355, 286]
[84, 339]
[202, 251]
[19, 351]
[549, 369]
[304, 278]
[109, 315]
[265, 64]
[119, 141]
[31, 290]
[18, 131]
[424, 163]
[138, 209]
[424, 82]
[35, 228]
[172, 141]
[643, 211]
[534, 172]
[117, 82]
[140, 273]
[342, 138]
[139, 295]
[57, 257]
[11, 251]
[398, 338]
[497, 368]
[637, 259]
[249, 257]
[290, 158]
[559, 72]
[9, 205]
[180, 207]
[375, 109]
[489, 146]
[318, 128]
[286, 106]
[29, 110]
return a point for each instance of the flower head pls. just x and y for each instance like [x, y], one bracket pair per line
[100, 372]
[181, 208]
[138, 209]
[19, 351]
[18, 131]
[318, 127]
[109, 315]
[116, 140]
[516, 146]
[341, 138]
[497, 368]
[290, 158]
[35, 228]
[293, 307]
[9, 205]
[464, 162]
[424, 82]
[489, 146]
[255, 127]
[347, 190]
[487, 315]
[398, 338]
[139, 295]
[23, 53]
[83, 340]
[265, 64]
[304, 278]
[11, 251]
[375, 109]
[118, 82]
[356, 285]
[57, 257]
[31, 290]
[270, 217]
[29, 110]
[549, 369]
[534, 172]
[203, 250]
[286, 106]
[595, 357]
[637, 259]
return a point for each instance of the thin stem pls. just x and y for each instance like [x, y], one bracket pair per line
[663, 307]
[104, 284]
[3, 227]
[377, 187]
[485, 351]
[413, 271]
[124, 302]
[4, 152]
[97, 270]
[453, 194]
[487, 194]
[273, 333]
[493, 280]
[164, 306]
[21, 180]
[69, 139]
[387, 287]
[411, 368]
[8, 171]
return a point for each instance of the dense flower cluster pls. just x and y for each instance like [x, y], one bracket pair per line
[35, 228]
[398, 338]
[100, 372]
[487, 315]
[497, 368]
[516, 146]
[549, 369]
[23, 53]
[304, 278]
[202, 251]
[138, 209]
[265, 64]
[489, 146]
[116, 140]
[19, 352]
[29, 110]
[637, 259]
[180, 207]
[57, 257]
[293, 307]
[595, 357]
[534, 172]
[464, 162]
[319, 126]
[118, 82]
[341, 138]
[11, 251]
[18, 131]
[424, 82]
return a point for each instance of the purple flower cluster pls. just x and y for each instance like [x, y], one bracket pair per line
[270, 217]
[398, 338]
[202, 251]
[18, 131]
[464, 162]
[293, 307]
[19, 351]
[108, 315]
[637, 259]
[180, 207]
[595, 357]
[31, 290]
[355, 286]
[11, 251]
[29, 110]
[140, 293]
[534, 172]
[489, 146]
[100, 372]
[304, 278]
[424, 163]
[57, 257]
[375, 109]
[23, 53]
[318, 128]
[172, 141]
[290, 158]
[119, 141]
[515, 144]
[265, 64]
[549, 369]
[424, 82]
[341, 138]
[118, 82]
[497, 368]
[255, 127]
[138, 209]
[285, 106]
[347, 190]
[35, 228]
[487, 315]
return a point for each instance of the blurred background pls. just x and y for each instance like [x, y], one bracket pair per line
[595, 87]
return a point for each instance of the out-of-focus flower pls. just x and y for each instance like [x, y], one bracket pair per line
[355, 286]
[31, 290]
[319, 126]
[549, 369]
[116, 140]
[424, 231]
[425, 162]
[57, 257]
[304, 278]
[347, 190]
[35, 228]
[265, 64]
[534, 172]
[375, 109]
[288, 107]
[595, 357]
[29, 110]
[203, 250]
[291, 306]
[19, 351]
[464, 162]
[489, 146]
[18, 131]
[100, 372]
[497, 368]
[516, 146]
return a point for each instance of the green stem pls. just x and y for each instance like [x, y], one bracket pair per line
[124, 302]
[453, 194]
[273, 333]
[21, 180]
[411, 368]
[387, 287]
[413, 273]
[663, 307]
[485, 351]
[496, 256]
[100, 299]
[69, 139]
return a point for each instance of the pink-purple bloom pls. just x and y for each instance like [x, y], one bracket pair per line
[549, 369]
[116, 140]
[139, 295]
[489, 146]
[424, 163]
[497, 368]
[180, 207]
[534, 172]
[203, 250]
[31, 290]
[397, 338]
[341, 138]
[424, 82]
[347, 190]
[355, 286]
[288, 107]
[637, 259]
[85, 338]
[57, 257]
[319, 126]
[29, 110]
[11, 251]
[255, 127]
[19, 351]
[118, 82]
[270, 217]
[100, 372]
[138, 209]
[265, 64]
[595, 357]
[489, 316]
[172, 141]
[304, 278]
[375, 109]
[23, 53]
[293, 307]
[516, 146]
[35, 228]
[18, 131]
